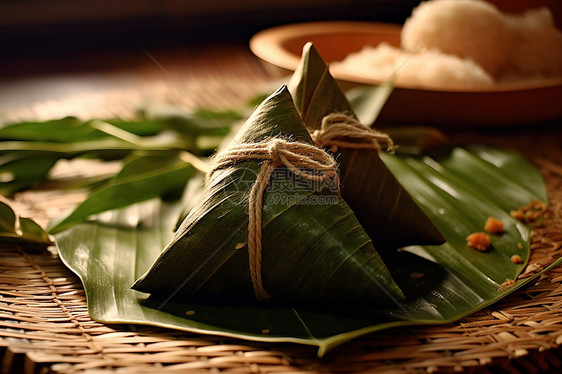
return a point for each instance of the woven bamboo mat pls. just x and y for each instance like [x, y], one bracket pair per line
[45, 326]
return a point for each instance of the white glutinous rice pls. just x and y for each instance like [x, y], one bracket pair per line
[471, 29]
[424, 69]
[464, 43]
[537, 51]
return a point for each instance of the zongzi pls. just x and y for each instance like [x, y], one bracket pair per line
[388, 214]
[271, 225]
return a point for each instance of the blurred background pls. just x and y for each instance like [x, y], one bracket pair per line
[53, 49]
[48, 24]
[42, 38]
[33, 27]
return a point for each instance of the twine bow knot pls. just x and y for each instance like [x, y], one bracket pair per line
[342, 130]
[304, 160]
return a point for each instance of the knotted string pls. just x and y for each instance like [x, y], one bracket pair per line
[304, 160]
[341, 130]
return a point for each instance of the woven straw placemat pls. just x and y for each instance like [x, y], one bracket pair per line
[45, 326]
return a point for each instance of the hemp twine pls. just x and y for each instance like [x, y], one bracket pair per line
[342, 130]
[305, 160]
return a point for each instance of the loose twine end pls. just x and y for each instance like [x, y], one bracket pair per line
[304, 160]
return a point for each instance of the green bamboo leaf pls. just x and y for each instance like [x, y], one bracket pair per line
[193, 122]
[140, 127]
[30, 149]
[109, 257]
[386, 211]
[64, 130]
[510, 164]
[142, 178]
[156, 143]
[447, 193]
[7, 218]
[24, 170]
[72, 129]
[21, 230]
[368, 101]
[26, 164]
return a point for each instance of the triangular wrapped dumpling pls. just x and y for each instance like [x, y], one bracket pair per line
[388, 214]
[314, 249]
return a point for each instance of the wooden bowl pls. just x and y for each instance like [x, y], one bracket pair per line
[513, 104]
